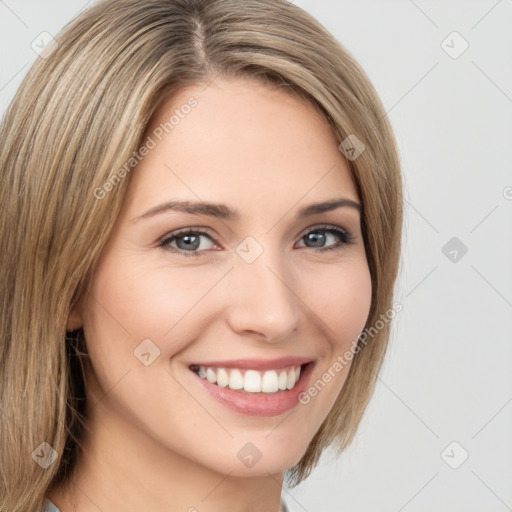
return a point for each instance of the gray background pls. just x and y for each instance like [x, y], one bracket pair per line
[447, 375]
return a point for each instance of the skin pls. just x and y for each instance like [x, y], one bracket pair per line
[156, 439]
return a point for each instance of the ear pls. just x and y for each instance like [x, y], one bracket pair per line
[75, 318]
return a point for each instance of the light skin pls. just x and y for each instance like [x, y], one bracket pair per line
[156, 439]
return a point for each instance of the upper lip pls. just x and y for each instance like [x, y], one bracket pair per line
[257, 364]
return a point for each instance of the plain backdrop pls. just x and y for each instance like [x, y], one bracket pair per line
[437, 434]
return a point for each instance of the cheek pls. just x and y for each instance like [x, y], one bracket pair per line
[131, 303]
[342, 300]
[341, 297]
[161, 305]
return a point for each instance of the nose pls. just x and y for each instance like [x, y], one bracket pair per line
[261, 299]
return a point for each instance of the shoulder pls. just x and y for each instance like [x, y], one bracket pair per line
[50, 507]
[285, 507]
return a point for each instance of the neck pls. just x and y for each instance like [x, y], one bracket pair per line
[120, 466]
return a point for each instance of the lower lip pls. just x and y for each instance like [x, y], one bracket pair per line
[259, 404]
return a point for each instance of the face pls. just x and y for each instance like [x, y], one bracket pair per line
[204, 324]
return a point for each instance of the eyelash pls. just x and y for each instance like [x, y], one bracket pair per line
[343, 235]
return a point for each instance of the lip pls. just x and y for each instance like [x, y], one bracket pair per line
[258, 404]
[257, 364]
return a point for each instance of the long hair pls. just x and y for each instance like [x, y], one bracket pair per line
[77, 118]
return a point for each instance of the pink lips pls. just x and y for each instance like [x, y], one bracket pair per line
[258, 404]
[258, 364]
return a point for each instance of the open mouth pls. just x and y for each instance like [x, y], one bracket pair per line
[250, 380]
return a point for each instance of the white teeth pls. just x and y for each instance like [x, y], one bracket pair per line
[252, 381]
[269, 382]
[236, 380]
[222, 378]
[289, 383]
[283, 379]
[210, 375]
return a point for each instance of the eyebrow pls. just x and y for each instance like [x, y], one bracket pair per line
[221, 211]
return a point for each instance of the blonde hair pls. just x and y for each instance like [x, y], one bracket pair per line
[77, 117]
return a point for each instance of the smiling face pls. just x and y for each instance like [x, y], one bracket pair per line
[184, 330]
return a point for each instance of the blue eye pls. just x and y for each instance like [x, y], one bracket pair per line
[319, 235]
[188, 242]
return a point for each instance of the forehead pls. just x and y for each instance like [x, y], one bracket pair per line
[241, 142]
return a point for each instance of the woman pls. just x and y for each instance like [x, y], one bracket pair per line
[201, 220]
